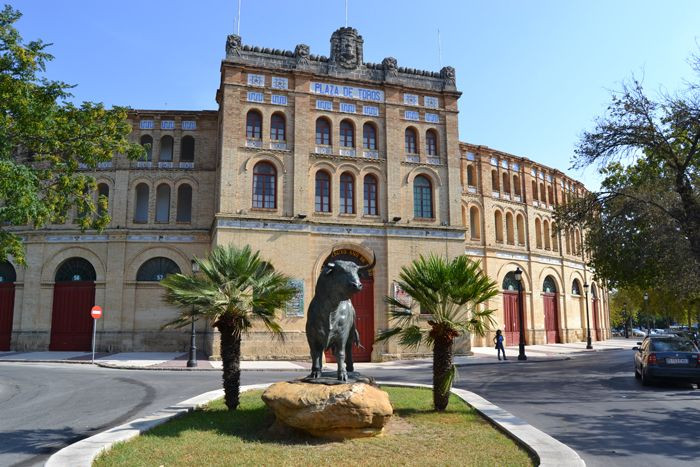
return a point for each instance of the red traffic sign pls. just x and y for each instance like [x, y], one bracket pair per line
[96, 312]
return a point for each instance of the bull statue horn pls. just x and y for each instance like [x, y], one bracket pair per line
[369, 266]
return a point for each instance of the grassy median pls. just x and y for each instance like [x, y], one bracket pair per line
[416, 436]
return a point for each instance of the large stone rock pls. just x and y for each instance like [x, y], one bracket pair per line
[331, 411]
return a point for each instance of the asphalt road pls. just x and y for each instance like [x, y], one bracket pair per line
[592, 403]
[44, 407]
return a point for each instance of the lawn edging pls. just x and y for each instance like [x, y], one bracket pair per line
[547, 450]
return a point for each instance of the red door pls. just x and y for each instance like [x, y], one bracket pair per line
[551, 320]
[511, 314]
[363, 302]
[71, 323]
[595, 318]
[7, 306]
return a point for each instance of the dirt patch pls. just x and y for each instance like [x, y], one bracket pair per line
[397, 426]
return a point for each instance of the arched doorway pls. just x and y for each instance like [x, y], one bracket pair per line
[363, 302]
[594, 300]
[7, 303]
[550, 301]
[511, 310]
[73, 297]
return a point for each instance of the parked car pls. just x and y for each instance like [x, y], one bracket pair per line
[638, 332]
[667, 357]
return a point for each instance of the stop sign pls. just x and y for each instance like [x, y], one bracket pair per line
[96, 312]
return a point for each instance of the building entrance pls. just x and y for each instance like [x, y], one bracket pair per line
[73, 297]
[7, 303]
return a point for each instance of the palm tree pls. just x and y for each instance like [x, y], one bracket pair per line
[451, 293]
[235, 288]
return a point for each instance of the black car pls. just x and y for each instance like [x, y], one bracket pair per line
[667, 357]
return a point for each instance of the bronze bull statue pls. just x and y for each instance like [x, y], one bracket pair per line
[331, 316]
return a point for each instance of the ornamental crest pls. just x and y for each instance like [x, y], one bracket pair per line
[346, 48]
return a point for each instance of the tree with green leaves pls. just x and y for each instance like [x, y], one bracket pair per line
[643, 225]
[43, 139]
[449, 296]
[233, 289]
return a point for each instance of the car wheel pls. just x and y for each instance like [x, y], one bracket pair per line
[646, 381]
[636, 373]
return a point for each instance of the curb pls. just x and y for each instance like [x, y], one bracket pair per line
[548, 451]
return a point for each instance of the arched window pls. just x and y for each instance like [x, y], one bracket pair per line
[141, 205]
[371, 196]
[594, 292]
[538, 233]
[102, 190]
[253, 125]
[323, 131]
[494, 181]
[147, 143]
[264, 186]
[520, 222]
[498, 223]
[510, 283]
[323, 191]
[510, 231]
[184, 203]
[166, 149]
[431, 144]
[471, 179]
[535, 197]
[474, 223]
[516, 185]
[163, 203]
[550, 193]
[543, 194]
[156, 269]
[278, 127]
[567, 238]
[549, 285]
[7, 272]
[411, 141]
[422, 198]
[555, 243]
[506, 183]
[75, 270]
[547, 237]
[187, 149]
[576, 287]
[369, 136]
[347, 134]
[577, 240]
[347, 194]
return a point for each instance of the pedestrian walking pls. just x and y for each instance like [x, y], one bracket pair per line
[498, 340]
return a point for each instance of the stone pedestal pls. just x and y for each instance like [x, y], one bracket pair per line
[338, 411]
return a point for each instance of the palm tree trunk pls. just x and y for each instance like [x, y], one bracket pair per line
[443, 355]
[231, 360]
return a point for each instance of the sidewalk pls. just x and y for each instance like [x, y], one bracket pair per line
[178, 360]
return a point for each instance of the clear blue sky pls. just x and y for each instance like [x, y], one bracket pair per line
[534, 74]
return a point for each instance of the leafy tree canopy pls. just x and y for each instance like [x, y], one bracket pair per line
[43, 138]
[643, 226]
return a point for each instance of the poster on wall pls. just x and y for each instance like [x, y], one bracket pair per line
[295, 306]
[400, 295]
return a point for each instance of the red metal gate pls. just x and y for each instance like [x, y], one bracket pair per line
[7, 305]
[363, 302]
[511, 314]
[551, 317]
[71, 324]
[595, 319]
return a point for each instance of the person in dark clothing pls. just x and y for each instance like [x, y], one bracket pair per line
[498, 340]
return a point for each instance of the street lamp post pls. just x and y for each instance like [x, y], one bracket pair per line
[192, 360]
[521, 345]
[626, 322]
[646, 310]
[588, 319]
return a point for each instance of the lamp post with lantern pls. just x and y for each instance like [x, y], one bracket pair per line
[521, 318]
[192, 360]
[588, 319]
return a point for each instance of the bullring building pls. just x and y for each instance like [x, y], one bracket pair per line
[306, 158]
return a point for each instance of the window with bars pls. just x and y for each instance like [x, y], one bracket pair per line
[323, 191]
[323, 131]
[347, 194]
[264, 186]
[422, 198]
[411, 141]
[347, 134]
[371, 198]
[369, 136]
[253, 127]
[277, 127]
[431, 143]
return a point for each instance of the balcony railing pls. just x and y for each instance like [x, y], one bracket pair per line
[495, 194]
[253, 143]
[517, 198]
[165, 165]
[412, 158]
[324, 149]
[144, 164]
[434, 160]
[278, 145]
[471, 189]
[369, 154]
[186, 165]
[348, 152]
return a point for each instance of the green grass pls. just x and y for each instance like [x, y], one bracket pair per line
[214, 436]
